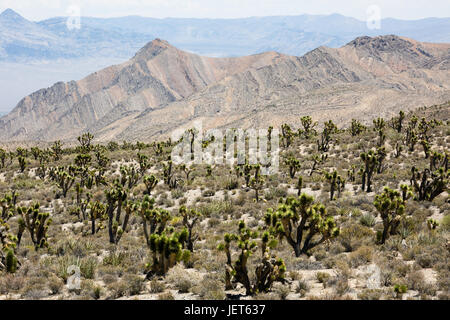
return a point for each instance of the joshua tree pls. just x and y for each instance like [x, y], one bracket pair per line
[144, 164]
[3, 156]
[299, 185]
[336, 183]
[85, 141]
[190, 218]
[8, 205]
[153, 219]
[370, 163]
[428, 184]
[381, 155]
[411, 136]
[57, 150]
[167, 251]
[351, 173]
[356, 128]
[116, 197]
[398, 149]
[379, 126]
[287, 135]
[35, 152]
[308, 127]
[391, 206]
[169, 176]
[294, 165]
[324, 143]
[36, 223]
[299, 220]
[397, 122]
[257, 182]
[8, 243]
[187, 171]
[130, 175]
[269, 269]
[317, 160]
[97, 213]
[438, 160]
[22, 163]
[150, 183]
[64, 180]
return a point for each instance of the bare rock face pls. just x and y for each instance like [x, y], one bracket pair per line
[162, 88]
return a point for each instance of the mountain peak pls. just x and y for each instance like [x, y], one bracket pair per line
[152, 49]
[10, 14]
[380, 43]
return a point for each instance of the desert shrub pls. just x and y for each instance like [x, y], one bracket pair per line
[183, 281]
[156, 286]
[361, 256]
[134, 283]
[55, 284]
[210, 288]
[118, 289]
[370, 294]
[353, 236]
[281, 290]
[367, 220]
[323, 277]
[166, 296]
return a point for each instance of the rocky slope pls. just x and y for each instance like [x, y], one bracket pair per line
[162, 88]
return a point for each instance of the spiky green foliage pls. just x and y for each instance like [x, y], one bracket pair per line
[391, 207]
[98, 214]
[144, 163]
[8, 205]
[190, 218]
[257, 182]
[370, 163]
[63, 179]
[57, 150]
[379, 126]
[308, 127]
[268, 270]
[429, 184]
[150, 183]
[303, 223]
[167, 250]
[37, 224]
[294, 166]
[85, 141]
[337, 183]
[116, 198]
[299, 185]
[153, 219]
[317, 160]
[356, 128]
[287, 135]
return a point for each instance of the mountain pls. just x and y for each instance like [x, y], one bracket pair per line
[22, 40]
[163, 88]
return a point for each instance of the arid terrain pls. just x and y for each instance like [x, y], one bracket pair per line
[354, 212]
[163, 88]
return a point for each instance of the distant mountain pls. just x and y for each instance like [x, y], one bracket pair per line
[22, 40]
[163, 88]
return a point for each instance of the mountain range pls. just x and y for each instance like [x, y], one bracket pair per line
[24, 40]
[163, 88]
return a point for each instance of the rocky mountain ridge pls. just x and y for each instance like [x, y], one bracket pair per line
[163, 88]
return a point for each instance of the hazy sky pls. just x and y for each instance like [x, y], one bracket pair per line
[401, 9]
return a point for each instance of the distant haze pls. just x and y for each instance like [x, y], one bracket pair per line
[400, 9]
[35, 55]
